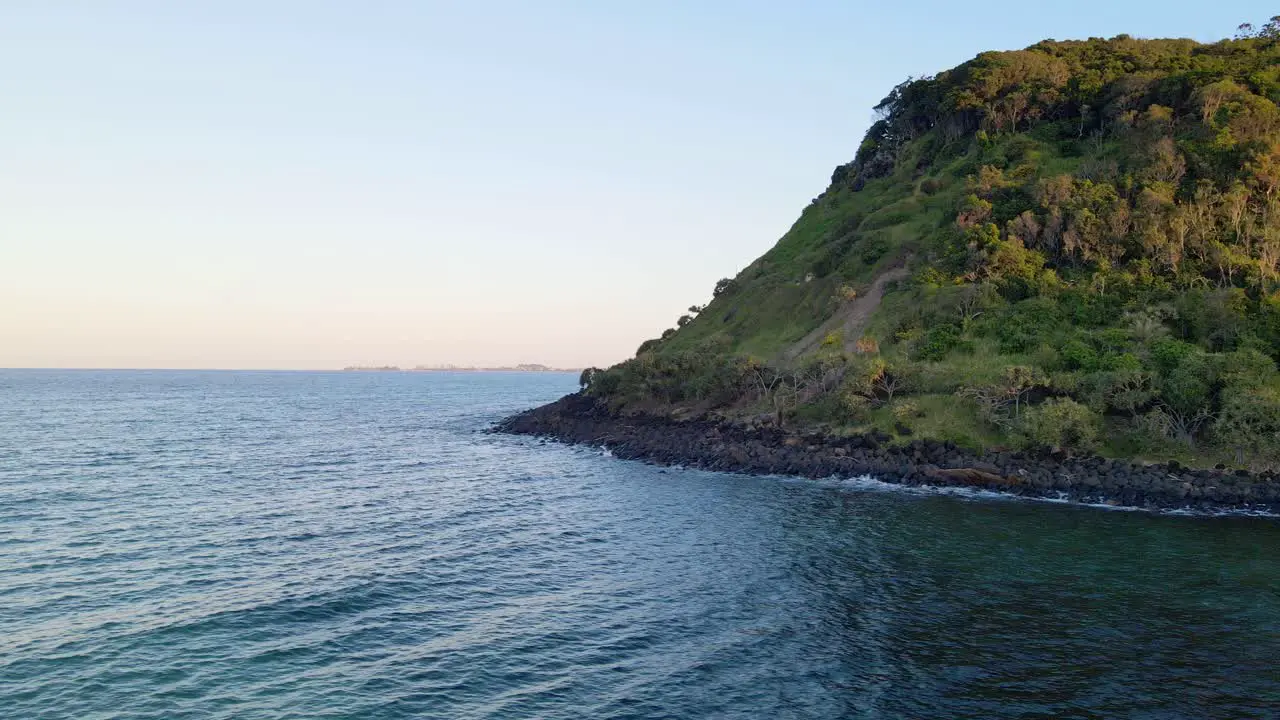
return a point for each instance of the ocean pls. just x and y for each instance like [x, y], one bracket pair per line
[354, 545]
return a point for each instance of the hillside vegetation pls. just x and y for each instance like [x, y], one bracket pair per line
[1085, 241]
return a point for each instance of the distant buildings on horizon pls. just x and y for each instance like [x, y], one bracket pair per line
[523, 367]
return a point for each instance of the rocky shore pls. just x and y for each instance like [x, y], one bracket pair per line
[769, 450]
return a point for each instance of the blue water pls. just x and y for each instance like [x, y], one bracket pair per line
[310, 545]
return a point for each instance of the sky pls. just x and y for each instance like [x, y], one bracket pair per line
[306, 185]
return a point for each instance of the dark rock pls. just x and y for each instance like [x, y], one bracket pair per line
[757, 446]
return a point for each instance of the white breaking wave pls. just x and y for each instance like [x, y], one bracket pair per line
[870, 484]
[866, 483]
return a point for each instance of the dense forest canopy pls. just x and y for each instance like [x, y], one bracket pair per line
[1089, 238]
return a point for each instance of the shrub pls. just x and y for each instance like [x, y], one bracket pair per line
[877, 380]
[1046, 357]
[930, 276]
[1155, 429]
[1147, 325]
[1026, 325]
[1088, 309]
[1188, 387]
[1060, 422]
[1168, 353]
[1124, 362]
[873, 248]
[864, 373]
[904, 411]
[855, 408]
[1124, 391]
[1248, 367]
[937, 343]
[1077, 355]
[604, 382]
[1114, 340]
[1226, 317]
[1186, 397]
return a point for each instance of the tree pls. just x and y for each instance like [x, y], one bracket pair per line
[973, 211]
[1250, 421]
[1019, 380]
[769, 385]
[1147, 325]
[1235, 205]
[1054, 191]
[723, 285]
[1004, 260]
[866, 345]
[972, 301]
[1264, 170]
[994, 400]
[1128, 390]
[1165, 163]
[1269, 257]
[1025, 227]
[1271, 30]
[895, 378]
[1186, 397]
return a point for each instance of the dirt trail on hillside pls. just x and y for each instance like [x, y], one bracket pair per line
[850, 319]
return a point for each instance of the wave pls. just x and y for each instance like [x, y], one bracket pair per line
[870, 484]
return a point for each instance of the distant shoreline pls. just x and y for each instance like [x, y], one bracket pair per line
[516, 368]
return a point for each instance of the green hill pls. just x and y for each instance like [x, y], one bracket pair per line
[1074, 245]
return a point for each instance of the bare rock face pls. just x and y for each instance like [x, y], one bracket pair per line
[972, 476]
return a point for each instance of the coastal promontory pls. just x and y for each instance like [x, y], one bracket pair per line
[1039, 268]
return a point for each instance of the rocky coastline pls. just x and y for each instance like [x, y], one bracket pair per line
[739, 447]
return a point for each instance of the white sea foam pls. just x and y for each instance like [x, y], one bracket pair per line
[866, 483]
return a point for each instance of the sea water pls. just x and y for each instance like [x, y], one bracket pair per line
[353, 545]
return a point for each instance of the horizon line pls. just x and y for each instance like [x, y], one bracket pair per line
[285, 369]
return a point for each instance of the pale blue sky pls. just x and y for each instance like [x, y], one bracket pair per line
[314, 184]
